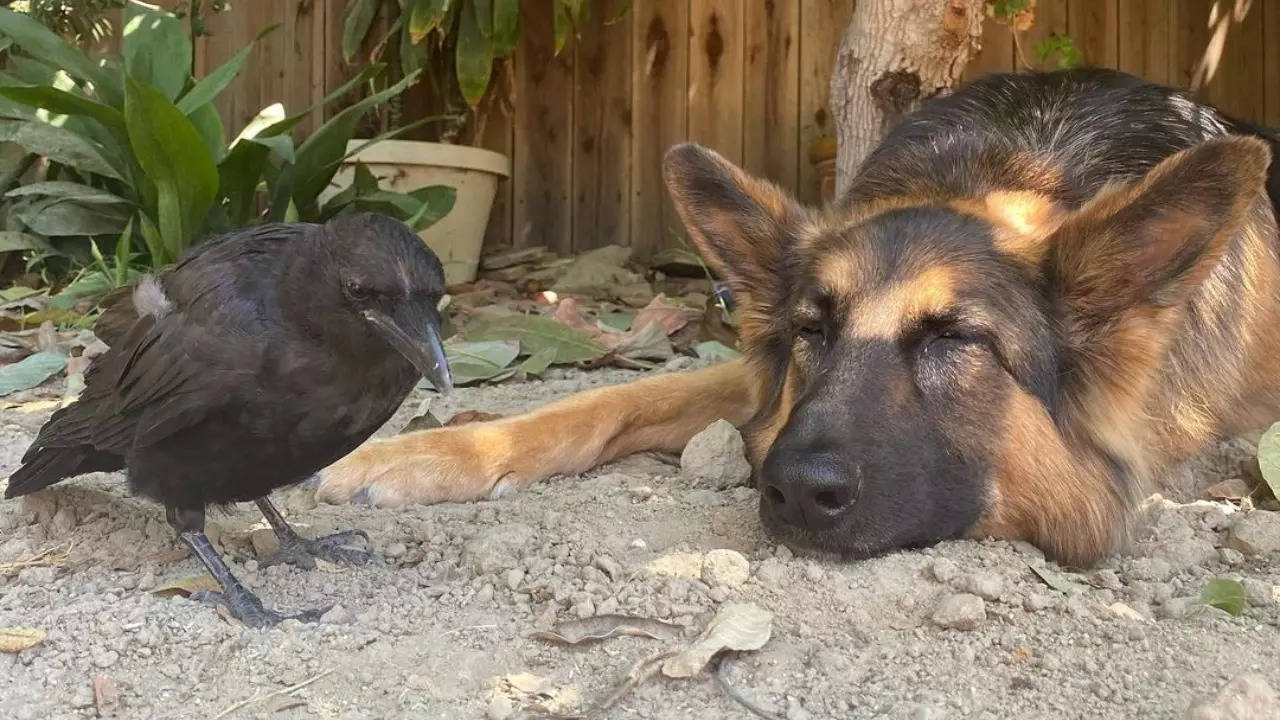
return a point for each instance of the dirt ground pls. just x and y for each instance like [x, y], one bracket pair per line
[439, 625]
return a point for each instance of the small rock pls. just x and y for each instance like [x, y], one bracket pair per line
[37, 576]
[782, 552]
[986, 585]
[265, 542]
[608, 606]
[1126, 612]
[1246, 697]
[1150, 568]
[716, 457]
[1035, 602]
[395, 550]
[338, 615]
[105, 658]
[1257, 533]
[642, 493]
[1108, 579]
[796, 711]
[1232, 489]
[639, 544]
[485, 594]
[497, 548]
[679, 362]
[584, 609]
[609, 566]
[500, 708]
[813, 573]
[944, 570]
[725, 568]
[64, 521]
[1230, 558]
[1259, 593]
[1181, 607]
[771, 572]
[1191, 552]
[514, 577]
[960, 611]
[251, 565]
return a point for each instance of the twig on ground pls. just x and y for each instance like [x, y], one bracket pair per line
[256, 698]
[53, 557]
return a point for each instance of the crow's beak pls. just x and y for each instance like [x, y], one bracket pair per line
[418, 339]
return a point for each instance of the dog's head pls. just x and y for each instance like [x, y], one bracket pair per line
[928, 362]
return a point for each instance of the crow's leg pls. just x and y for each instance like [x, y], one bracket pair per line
[243, 604]
[297, 550]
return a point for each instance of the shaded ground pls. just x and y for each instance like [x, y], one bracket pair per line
[438, 625]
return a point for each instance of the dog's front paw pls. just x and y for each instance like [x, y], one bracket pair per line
[426, 467]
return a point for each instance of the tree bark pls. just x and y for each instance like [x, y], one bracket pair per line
[895, 54]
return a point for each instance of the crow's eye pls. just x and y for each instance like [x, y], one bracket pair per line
[357, 291]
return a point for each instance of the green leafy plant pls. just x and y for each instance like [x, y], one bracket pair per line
[1020, 15]
[455, 42]
[136, 156]
[1061, 46]
[1225, 594]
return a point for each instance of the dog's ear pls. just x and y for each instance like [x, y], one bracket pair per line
[740, 224]
[1148, 246]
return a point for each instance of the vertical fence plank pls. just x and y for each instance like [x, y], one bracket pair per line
[1189, 38]
[602, 130]
[715, 75]
[1095, 28]
[997, 53]
[1271, 48]
[822, 26]
[228, 32]
[499, 136]
[1237, 85]
[659, 109]
[543, 175]
[770, 126]
[1144, 46]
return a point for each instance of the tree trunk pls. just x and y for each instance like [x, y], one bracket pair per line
[895, 54]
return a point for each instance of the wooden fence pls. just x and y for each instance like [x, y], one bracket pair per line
[588, 127]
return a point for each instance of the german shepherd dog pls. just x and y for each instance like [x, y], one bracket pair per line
[1040, 292]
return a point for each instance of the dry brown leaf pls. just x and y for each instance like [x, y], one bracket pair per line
[738, 626]
[105, 693]
[185, 586]
[471, 416]
[17, 639]
[602, 627]
[670, 317]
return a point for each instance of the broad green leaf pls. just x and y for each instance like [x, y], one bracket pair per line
[30, 371]
[713, 350]
[14, 293]
[535, 334]
[14, 163]
[427, 15]
[506, 27]
[436, 202]
[55, 217]
[1269, 458]
[63, 103]
[620, 321]
[239, 175]
[413, 56]
[537, 363]
[320, 154]
[473, 57]
[357, 17]
[212, 84]
[57, 144]
[124, 254]
[475, 361]
[32, 72]
[281, 145]
[173, 154]
[484, 17]
[363, 180]
[208, 122]
[562, 23]
[45, 46]
[151, 236]
[11, 241]
[267, 117]
[68, 191]
[157, 50]
[282, 189]
[1224, 594]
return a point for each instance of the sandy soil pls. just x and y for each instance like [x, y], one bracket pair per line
[438, 625]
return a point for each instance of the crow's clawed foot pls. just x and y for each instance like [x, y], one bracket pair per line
[337, 548]
[247, 608]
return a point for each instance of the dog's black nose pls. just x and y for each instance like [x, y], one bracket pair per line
[808, 490]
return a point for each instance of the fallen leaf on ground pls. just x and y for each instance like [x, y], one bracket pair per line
[471, 362]
[1062, 582]
[537, 363]
[620, 321]
[602, 627]
[670, 317]
[422, 419]
[598, 273]
[1269, 458]
[17, 639]
[471, 416]
[646, 342]
[105, 693]
[715, 350]
[738, 626]
[185, 586]
[536, 334]
[1224, 594]
[1231, 489]
[31, 371]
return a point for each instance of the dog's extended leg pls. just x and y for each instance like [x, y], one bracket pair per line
[484, 460]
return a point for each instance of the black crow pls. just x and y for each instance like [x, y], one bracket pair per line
[261, 357]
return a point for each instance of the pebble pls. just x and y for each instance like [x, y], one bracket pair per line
[1108, 579]
[1035, 602]
[1181, 554]
[1257, 533]
[716, 457]
[813, 573]
[1245, 697]
[725, 568]
[960, 611]
[944, 570]
[641, 493]
[37, 576]
[1150, 568]
[500, 708]
[771, 572]
[1181, 607]
[338, 615]
[497, 548]
[1230, 557]
[986, 585]
[608, 606]
[105, 658]
[1259, 593]
[584, 609]
[639, 544]
[264, 542]
[609, 566]
[486, 593]
[514, 577]
[395, 550]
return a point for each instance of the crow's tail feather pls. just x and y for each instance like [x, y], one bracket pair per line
[53, 464]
